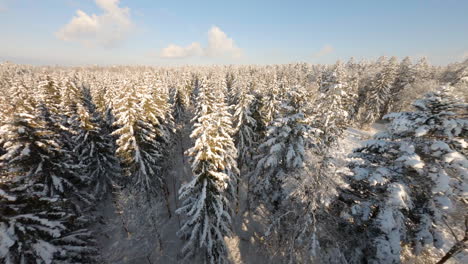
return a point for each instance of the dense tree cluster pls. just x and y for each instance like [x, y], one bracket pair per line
[258, 139]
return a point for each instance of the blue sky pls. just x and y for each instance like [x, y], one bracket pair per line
[77, 32]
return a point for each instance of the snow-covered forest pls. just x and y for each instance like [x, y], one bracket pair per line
[355, 162]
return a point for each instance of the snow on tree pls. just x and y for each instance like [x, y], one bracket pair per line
[50, 94]
[330, 77]
[422, 70]
[244, 126]
[270, 103]
[180, 102]
[204, 94]
[378, 95]
[19, 98]
[28, 224]
[232, 88]
[154, 102]
[34, 150]
[408, 181]
[296, 227]
[95, 148]
[137, 142]
[104, 105]
[70, 92]
[305, 229]
[282, 150]
[39, 194]
[333, 106]
[404, 78]
[206, 198]
[34, 228]
[56, 149]
[58, 108]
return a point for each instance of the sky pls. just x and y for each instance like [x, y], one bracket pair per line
[144, 32]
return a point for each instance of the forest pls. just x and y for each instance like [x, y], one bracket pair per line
[353, 162]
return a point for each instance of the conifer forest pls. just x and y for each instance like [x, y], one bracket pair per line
[353, 162]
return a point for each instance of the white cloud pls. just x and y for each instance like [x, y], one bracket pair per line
[219, 45]
[106, 29]
[177, 52]
[327, 49]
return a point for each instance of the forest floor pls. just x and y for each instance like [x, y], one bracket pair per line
[129, 233]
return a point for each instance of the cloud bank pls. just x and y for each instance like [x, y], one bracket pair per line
[327, 49]
[107, 29]
[219, 46]
[177, 52]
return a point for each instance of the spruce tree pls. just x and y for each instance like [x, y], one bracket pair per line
[95, 148]
[34, 148]
[333, 106]
[378, 96]
[405, 77]
[35, 229]
[137, 143]
[180, 103]
[282, 151]
[206, 198]
[408, 180]
[40, 194]
[244, 127]
[270, 104]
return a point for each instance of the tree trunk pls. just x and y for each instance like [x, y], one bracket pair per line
[458, 247]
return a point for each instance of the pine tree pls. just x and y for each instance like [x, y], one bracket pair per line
[408, 180]
[206, 197]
